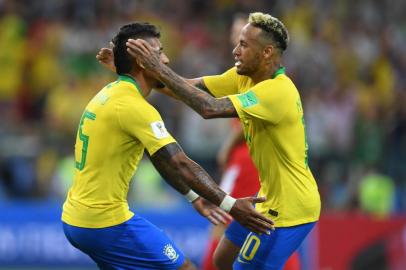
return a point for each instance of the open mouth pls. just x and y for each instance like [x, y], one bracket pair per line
[237, 63]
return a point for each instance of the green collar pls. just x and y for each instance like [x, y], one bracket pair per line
[127, 78]
[281, 70]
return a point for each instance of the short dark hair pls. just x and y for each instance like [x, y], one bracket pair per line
[272, 26]
[122, 59]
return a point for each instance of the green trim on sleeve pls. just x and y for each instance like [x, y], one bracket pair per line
[131, 80]
[248, 99]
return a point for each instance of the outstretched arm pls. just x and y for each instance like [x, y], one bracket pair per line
[182, 173]
[170, 157]
[202, 102]
[105, 57]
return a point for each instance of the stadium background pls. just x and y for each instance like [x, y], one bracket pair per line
[347, 58]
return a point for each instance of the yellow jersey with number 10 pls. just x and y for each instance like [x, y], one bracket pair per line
[272, 117]
[118, 123]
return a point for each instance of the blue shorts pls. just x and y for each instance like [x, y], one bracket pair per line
[266, 252]
[236, 233]
[134, 244]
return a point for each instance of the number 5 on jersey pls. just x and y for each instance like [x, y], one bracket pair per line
[84, 138]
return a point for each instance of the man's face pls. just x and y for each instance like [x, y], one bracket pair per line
[247, 53]
[156, 45]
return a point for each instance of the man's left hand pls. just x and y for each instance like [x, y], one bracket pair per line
[210, 211]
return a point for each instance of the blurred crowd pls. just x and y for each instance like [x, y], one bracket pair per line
[346, 58]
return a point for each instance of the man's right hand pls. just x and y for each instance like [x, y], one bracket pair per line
[244, 212]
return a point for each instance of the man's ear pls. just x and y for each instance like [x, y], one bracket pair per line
[268, 51]
[141, 66]
[136, 66]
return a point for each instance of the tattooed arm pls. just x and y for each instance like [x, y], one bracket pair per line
[197, 82]
[202, 102]
[170, 161]
[106, 58]
[184, 174]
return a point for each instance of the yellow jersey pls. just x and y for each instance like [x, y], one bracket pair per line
[116, 126]
[272, 117]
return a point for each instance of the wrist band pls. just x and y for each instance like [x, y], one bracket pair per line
[227, 203]
[191, 196]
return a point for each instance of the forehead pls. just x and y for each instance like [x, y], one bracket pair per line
[249, 32]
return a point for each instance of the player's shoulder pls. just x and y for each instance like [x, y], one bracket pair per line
[126, 91]
[122, 96]
[132, 102]
[123, 88]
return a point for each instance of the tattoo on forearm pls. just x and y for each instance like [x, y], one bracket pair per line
[161, 161]
[182, 173]
[202, 102]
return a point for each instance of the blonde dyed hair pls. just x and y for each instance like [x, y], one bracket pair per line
[271, 25]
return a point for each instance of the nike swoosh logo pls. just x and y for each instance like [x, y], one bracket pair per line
[241, 261]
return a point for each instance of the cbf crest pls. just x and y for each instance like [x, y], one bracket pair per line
[170, 252]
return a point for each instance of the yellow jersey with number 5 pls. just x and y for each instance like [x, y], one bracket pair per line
[116, 126]
[272, 117]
